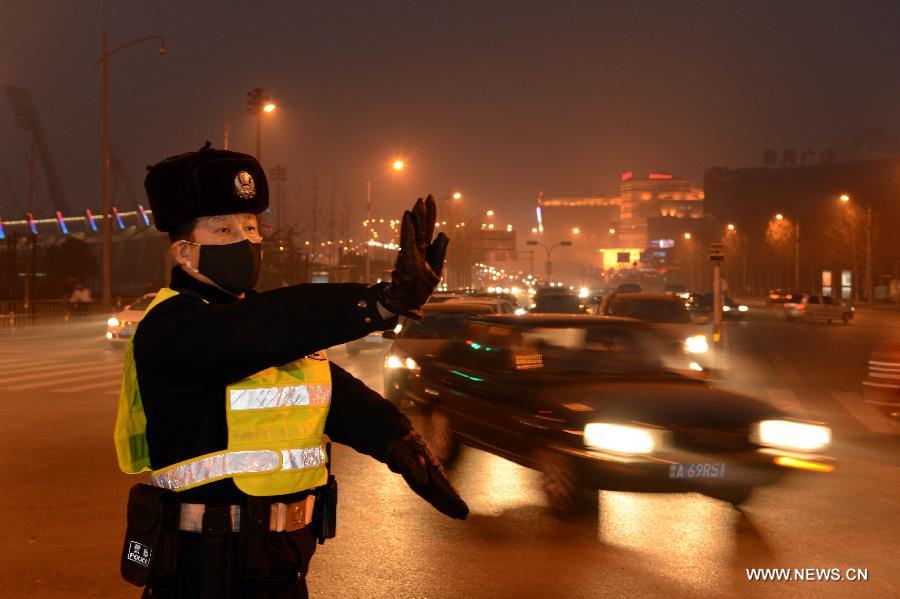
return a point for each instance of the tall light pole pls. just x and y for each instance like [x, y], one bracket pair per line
[397, 165]
[107, 207]
[868, 283]
[548, 265]
[795, 230]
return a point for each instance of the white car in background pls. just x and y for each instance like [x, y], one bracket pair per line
[121, 326]
[812, 306]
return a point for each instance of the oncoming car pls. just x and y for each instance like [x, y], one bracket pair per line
[121, 326]
[588, 403]
[666, 311]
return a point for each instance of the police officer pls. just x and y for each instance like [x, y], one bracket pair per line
[228, 397]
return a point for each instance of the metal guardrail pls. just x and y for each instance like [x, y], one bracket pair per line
[18, 313]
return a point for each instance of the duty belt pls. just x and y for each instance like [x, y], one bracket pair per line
[283, 517]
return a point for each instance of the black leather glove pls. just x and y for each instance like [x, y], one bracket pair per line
[410, 457]
[419, 263]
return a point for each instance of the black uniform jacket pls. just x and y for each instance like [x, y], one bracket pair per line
[187, 350]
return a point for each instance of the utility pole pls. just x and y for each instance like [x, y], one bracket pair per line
[278, 174]
[107, 207]
[717, 256]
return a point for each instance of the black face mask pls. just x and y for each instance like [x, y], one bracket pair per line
[234, 267]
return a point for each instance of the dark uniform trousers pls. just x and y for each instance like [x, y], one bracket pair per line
[289, 552]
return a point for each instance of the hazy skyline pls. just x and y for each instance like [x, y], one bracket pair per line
[496, 99]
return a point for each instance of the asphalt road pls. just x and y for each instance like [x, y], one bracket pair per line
[63, 498]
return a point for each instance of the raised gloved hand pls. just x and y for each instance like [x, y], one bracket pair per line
[410, 457]
[419, 263]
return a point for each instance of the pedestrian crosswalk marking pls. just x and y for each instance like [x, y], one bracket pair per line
[32, 367]
[786, 400]
[58, 373]
[98, 371]
[869, 416]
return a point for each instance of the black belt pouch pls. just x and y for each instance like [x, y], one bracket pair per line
[150, 551]
[253, 538]
[325, 512]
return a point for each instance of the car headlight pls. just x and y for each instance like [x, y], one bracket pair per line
[726, 308]
[584, 292]
[621, 438]
[520, 311]
[398, 328]
[393, 362]
[396, 362]
[112, 322]
[696, 344]
[793, 435]
[743, 308]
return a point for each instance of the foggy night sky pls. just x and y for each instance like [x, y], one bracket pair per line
[496, 99]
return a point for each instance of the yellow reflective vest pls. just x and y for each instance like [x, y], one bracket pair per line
[276, 422]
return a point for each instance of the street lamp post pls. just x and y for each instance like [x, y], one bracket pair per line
[397, 165]
[548, 265]
[795, 229]
[107, 207]
[868, 282]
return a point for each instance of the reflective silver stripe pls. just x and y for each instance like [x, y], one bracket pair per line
[279, 397]
[308, 457]
[214, 466]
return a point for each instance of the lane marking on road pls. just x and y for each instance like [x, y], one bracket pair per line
[34, 367]
[96, 372]
[24, 374]
[89, 386]
[24, 362]
[866, 414]
[785, 399]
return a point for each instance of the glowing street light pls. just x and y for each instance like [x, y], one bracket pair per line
[687, 235]
[457, 195]
[576, 231]
[612, 231]
[730, 227]
[779, 216]
[398, 165]
[845, 198]
[490, 213]
[269, 107]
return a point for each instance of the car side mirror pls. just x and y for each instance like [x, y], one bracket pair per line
[389, 335]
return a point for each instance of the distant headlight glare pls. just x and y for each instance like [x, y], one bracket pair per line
[112, 322]
[696, 344]
[743, 308]
[793, 435]
[726, 308]
[619, 438]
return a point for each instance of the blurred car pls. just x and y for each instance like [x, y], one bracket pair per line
[668, 312]
[498, 305]
[677, 290]
[121, 326]
[437, 298]
[417, 340]
[702, 303]
[881, 388]
[558, 301]
[588, 403]
[812, 306]
[629, 288]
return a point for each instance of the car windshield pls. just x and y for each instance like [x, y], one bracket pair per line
[650, 309]
[141, 303]
[440, 325]
[593, 351]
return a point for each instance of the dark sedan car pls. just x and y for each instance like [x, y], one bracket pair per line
[589, 402]
[702, 303]
[418, 340]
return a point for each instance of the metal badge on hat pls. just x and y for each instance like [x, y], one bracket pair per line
[244, 186]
